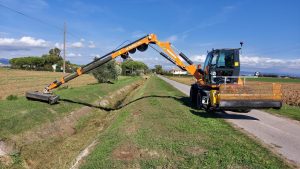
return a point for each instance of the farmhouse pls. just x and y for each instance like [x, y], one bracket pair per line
[176, 71]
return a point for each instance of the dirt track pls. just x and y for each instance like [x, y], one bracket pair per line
[281, 134]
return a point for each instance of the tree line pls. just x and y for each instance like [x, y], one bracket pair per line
[105, 73]
[44, 62]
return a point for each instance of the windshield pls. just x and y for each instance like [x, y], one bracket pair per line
[226, 59]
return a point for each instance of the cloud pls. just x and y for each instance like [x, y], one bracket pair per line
[198, 58]
[258, 62]
[24, 43]
[93, 55]
[91, 44]
[73, 55]
[59, 45]
[267, 62]
[77, 44]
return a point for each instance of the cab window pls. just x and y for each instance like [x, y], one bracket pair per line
[214, 59]
[226, 59]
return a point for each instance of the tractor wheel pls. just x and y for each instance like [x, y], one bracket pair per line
[242, 110]
[193, 96]
[245, 110]
[199, 101]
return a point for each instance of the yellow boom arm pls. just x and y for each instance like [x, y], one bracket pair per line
[140, 44]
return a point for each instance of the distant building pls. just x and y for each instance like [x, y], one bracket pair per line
[178, 72]
[257, 74]
[54, 67]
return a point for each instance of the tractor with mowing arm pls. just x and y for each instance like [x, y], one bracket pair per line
[218, 85]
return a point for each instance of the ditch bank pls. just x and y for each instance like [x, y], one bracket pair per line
[58, 143]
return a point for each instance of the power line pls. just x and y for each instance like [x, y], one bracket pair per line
[37, 19]
[31, 17]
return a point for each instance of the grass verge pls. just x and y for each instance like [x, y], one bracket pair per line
[21, 115]
[292, 112]
[158, 129]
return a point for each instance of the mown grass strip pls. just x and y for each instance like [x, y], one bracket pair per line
[292, 112]
[169, 134]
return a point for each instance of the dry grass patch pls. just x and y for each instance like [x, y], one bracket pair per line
[17, 82]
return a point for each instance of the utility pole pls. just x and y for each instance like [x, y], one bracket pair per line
[64, 66]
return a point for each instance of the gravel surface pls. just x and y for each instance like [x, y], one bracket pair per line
[279, 133]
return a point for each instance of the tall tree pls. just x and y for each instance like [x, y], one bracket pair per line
[55, 51]
[158, 69]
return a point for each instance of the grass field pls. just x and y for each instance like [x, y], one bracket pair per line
[275, 80]
[17, 82]
[160, 130]
[290, 90]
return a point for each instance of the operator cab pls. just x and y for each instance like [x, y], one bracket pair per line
[222, 66]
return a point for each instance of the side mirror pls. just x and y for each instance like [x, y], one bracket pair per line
[199, 66]
[199, 69]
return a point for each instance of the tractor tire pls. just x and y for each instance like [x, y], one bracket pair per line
[245, 110]
[193, 96]
[242, 110]
[199, 101]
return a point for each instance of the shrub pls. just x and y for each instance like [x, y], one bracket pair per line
[106, 73]
[12, 97]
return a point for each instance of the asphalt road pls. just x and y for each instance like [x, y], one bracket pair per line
[279, 133]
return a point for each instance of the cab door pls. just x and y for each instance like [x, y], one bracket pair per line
[206, 67]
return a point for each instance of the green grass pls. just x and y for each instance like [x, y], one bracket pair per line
[292, 112]
[20, 115]
[274, 80]
[162, 131]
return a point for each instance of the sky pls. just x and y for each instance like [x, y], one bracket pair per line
[270, 29]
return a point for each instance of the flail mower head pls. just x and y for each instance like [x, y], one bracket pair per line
[44, 97]
[255, 95]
